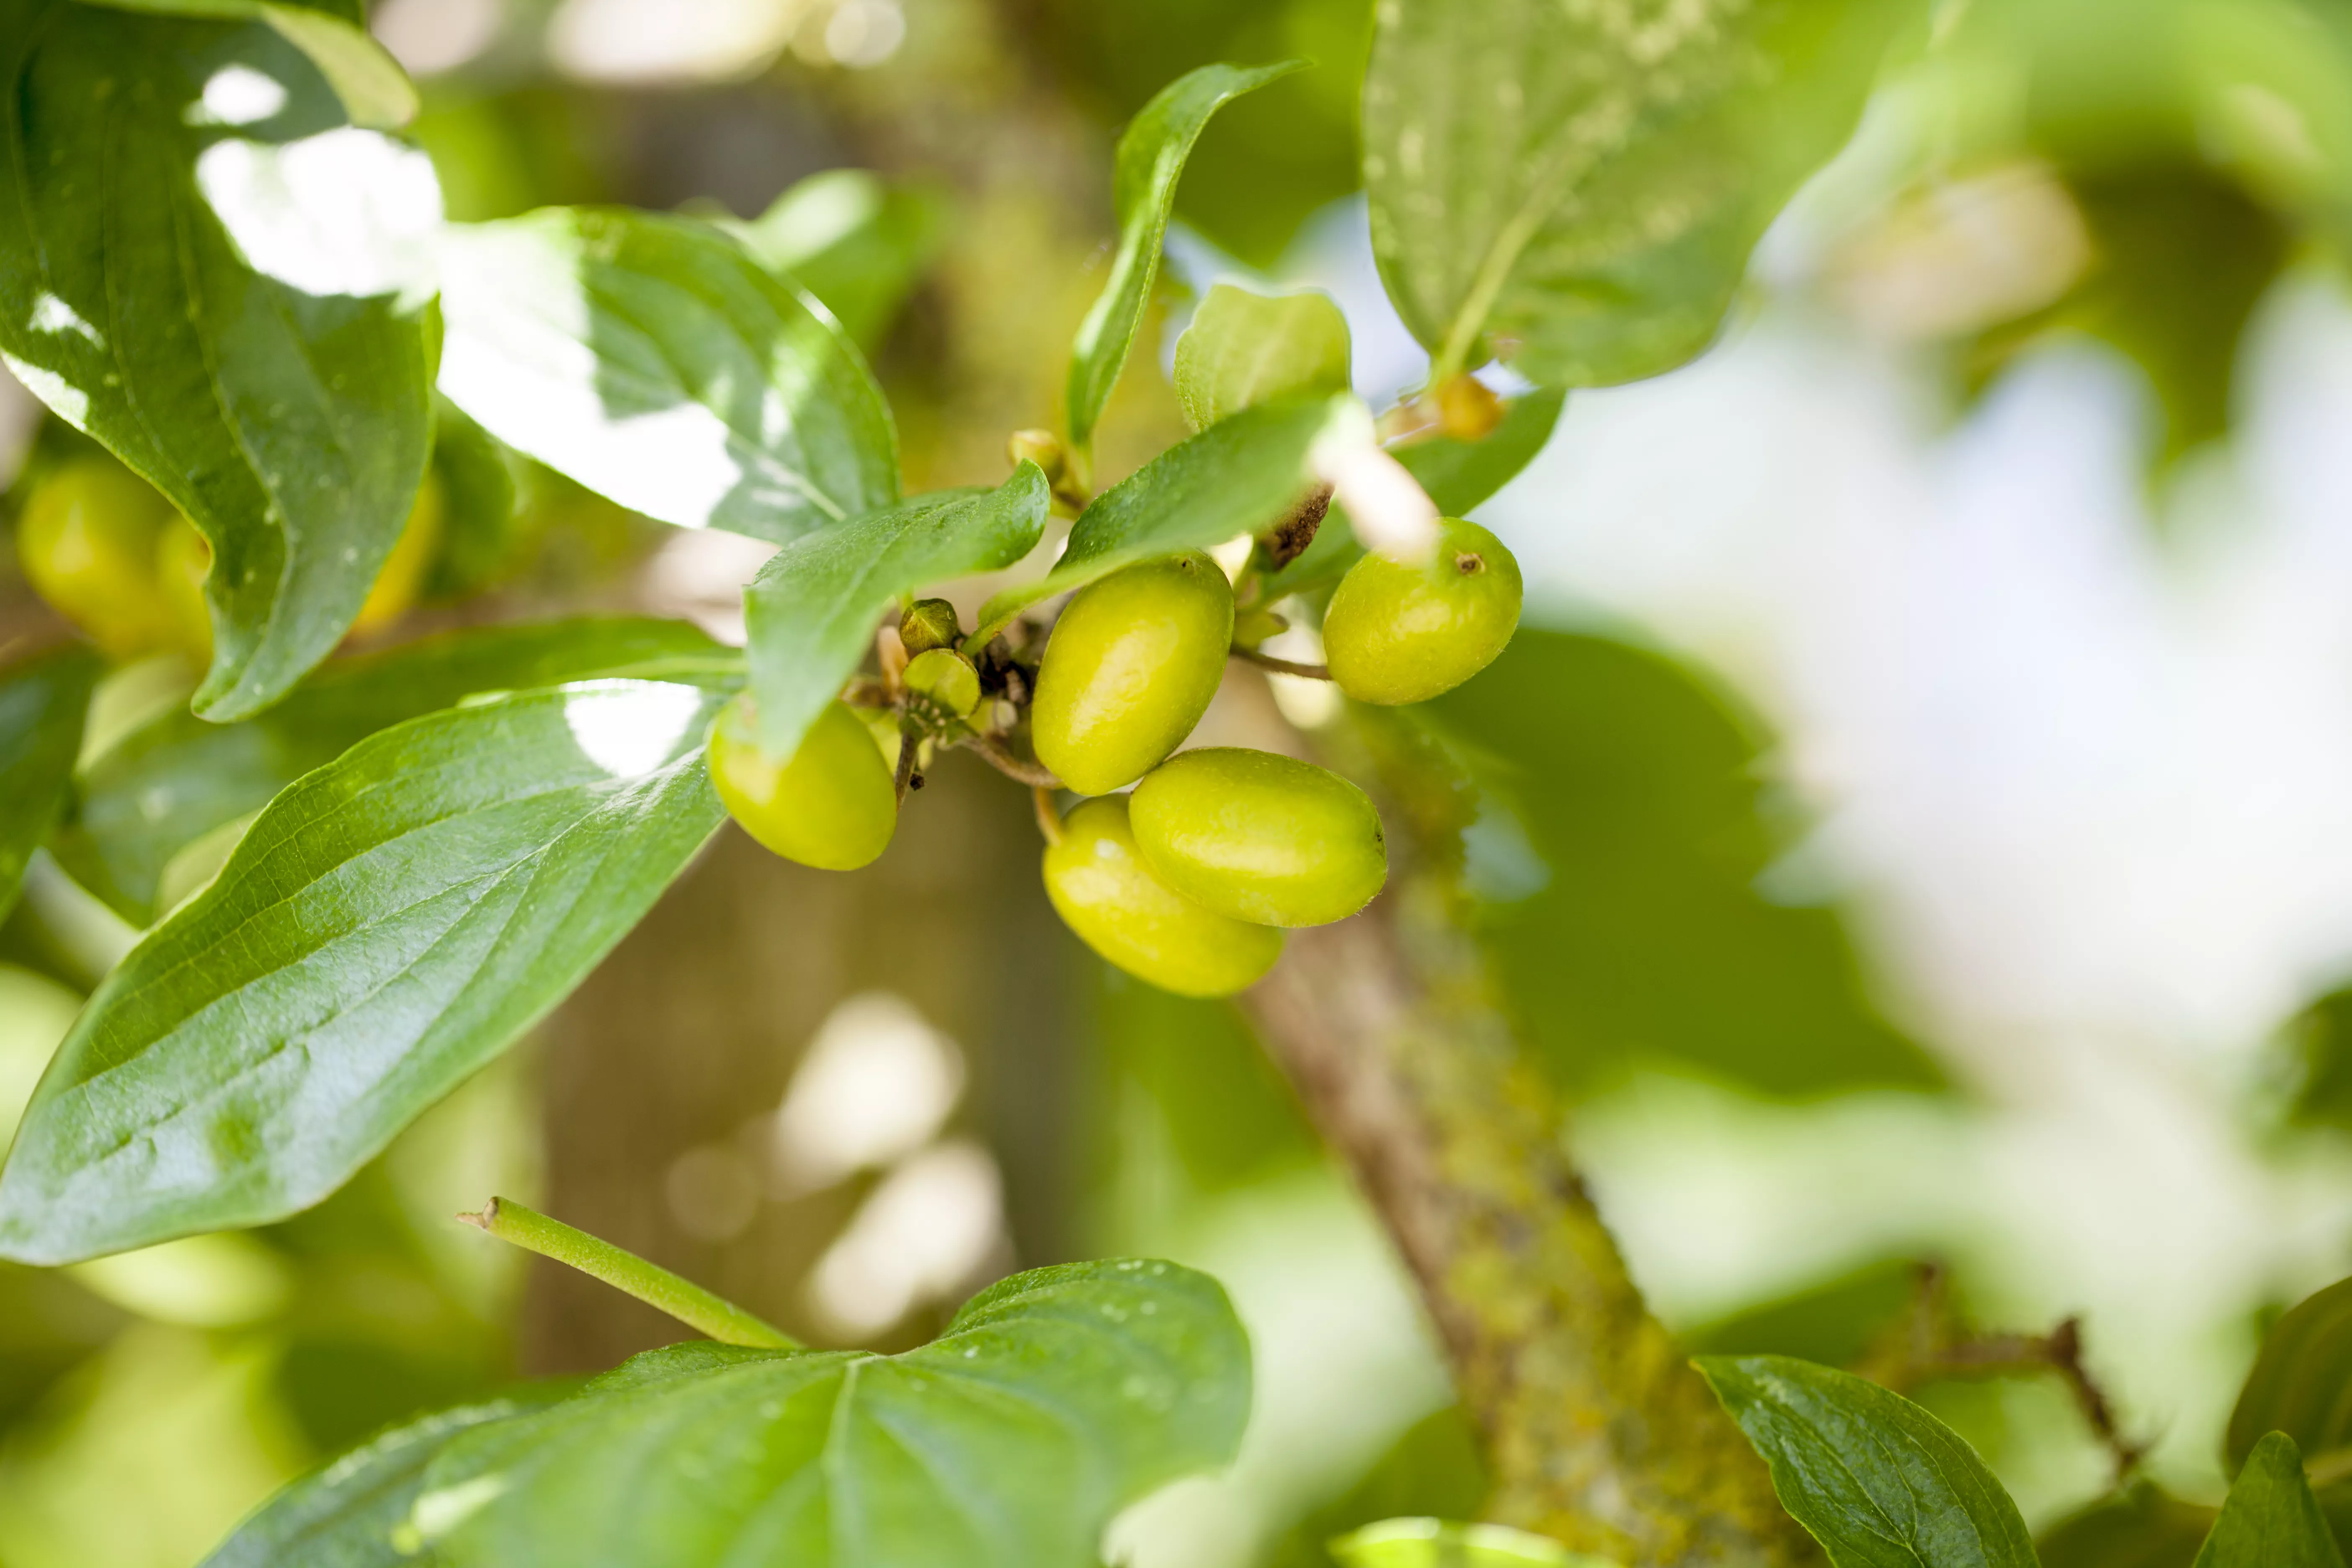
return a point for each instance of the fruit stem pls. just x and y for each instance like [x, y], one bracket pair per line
[1049, 821]
[910, 741]
[1284, 666]
[657, 1287]
[1011, 766]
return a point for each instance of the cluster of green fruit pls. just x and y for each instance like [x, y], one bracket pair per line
[1188, 880]
[108, 553]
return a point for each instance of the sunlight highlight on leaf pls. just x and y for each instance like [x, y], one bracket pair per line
[630, 727]
[346, 212]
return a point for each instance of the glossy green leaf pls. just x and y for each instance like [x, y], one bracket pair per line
[1244, 349]
[375, 92]
[1151, 154]
[1238, 477]
[2302, 1380]
[2141, 1527]
[42, 703]
[2271, 1520]
[813, 609]
[1055, 1398]
[1575, 189]
[176, 778]
[1440, 1544]
[354, 1512]
[390, 923]
[856, 242]
[654, 361]
[1457, 474]
[481, 499]
[1878, 1481]
[211, 270]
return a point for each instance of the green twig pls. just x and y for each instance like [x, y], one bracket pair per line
[625, 1271]
[1283, 665]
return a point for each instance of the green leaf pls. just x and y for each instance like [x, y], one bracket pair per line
[854, 241]
[1457, 474]
[481, 496]
[2302, 1380]
[42, 703]
[1151, 154]
[1238, 477]
[1878, 1481]
[1439, 1544]
[812, 611]
[177, 778]
[209, 269]
[2140, 1527]
[1055, 1398]
[375, 92]
[1575, 189]
[354, 1512]
[1624, 833]
[2271, 1520]
[387, 926]
[654, 361]
[1244, 349]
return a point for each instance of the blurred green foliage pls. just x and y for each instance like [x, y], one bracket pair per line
[1624, 831]
[1270, 161]
[2141, 1526]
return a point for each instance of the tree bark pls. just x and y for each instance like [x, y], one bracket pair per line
[1597, 1431]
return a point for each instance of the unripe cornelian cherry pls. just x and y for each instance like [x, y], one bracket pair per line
[1105, 892]
[1398, 632]
[87, 541]
[184, 559]
[831, 804]
[402, 576]
[1129, 669]
[1259, 837]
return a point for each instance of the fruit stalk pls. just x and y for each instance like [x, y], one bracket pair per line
[1596, 1429]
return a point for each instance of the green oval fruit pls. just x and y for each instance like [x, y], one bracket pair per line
[831, 803]
[182, 561]
[1105, 893]
[1398, 633]
[1129, 669]
[401, 578]
[1260, 838]
[87, 542]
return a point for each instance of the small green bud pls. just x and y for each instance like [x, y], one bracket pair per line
[1042, 447]
[946, 679]
[930, 624]
[1468, 409]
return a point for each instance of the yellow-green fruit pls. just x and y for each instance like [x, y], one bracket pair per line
[182, 561]
[1259, 837]
[1132, 666]
[1105, 893]
[402, 572]
[87, 540]
[831, 803]
[1398, 633]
